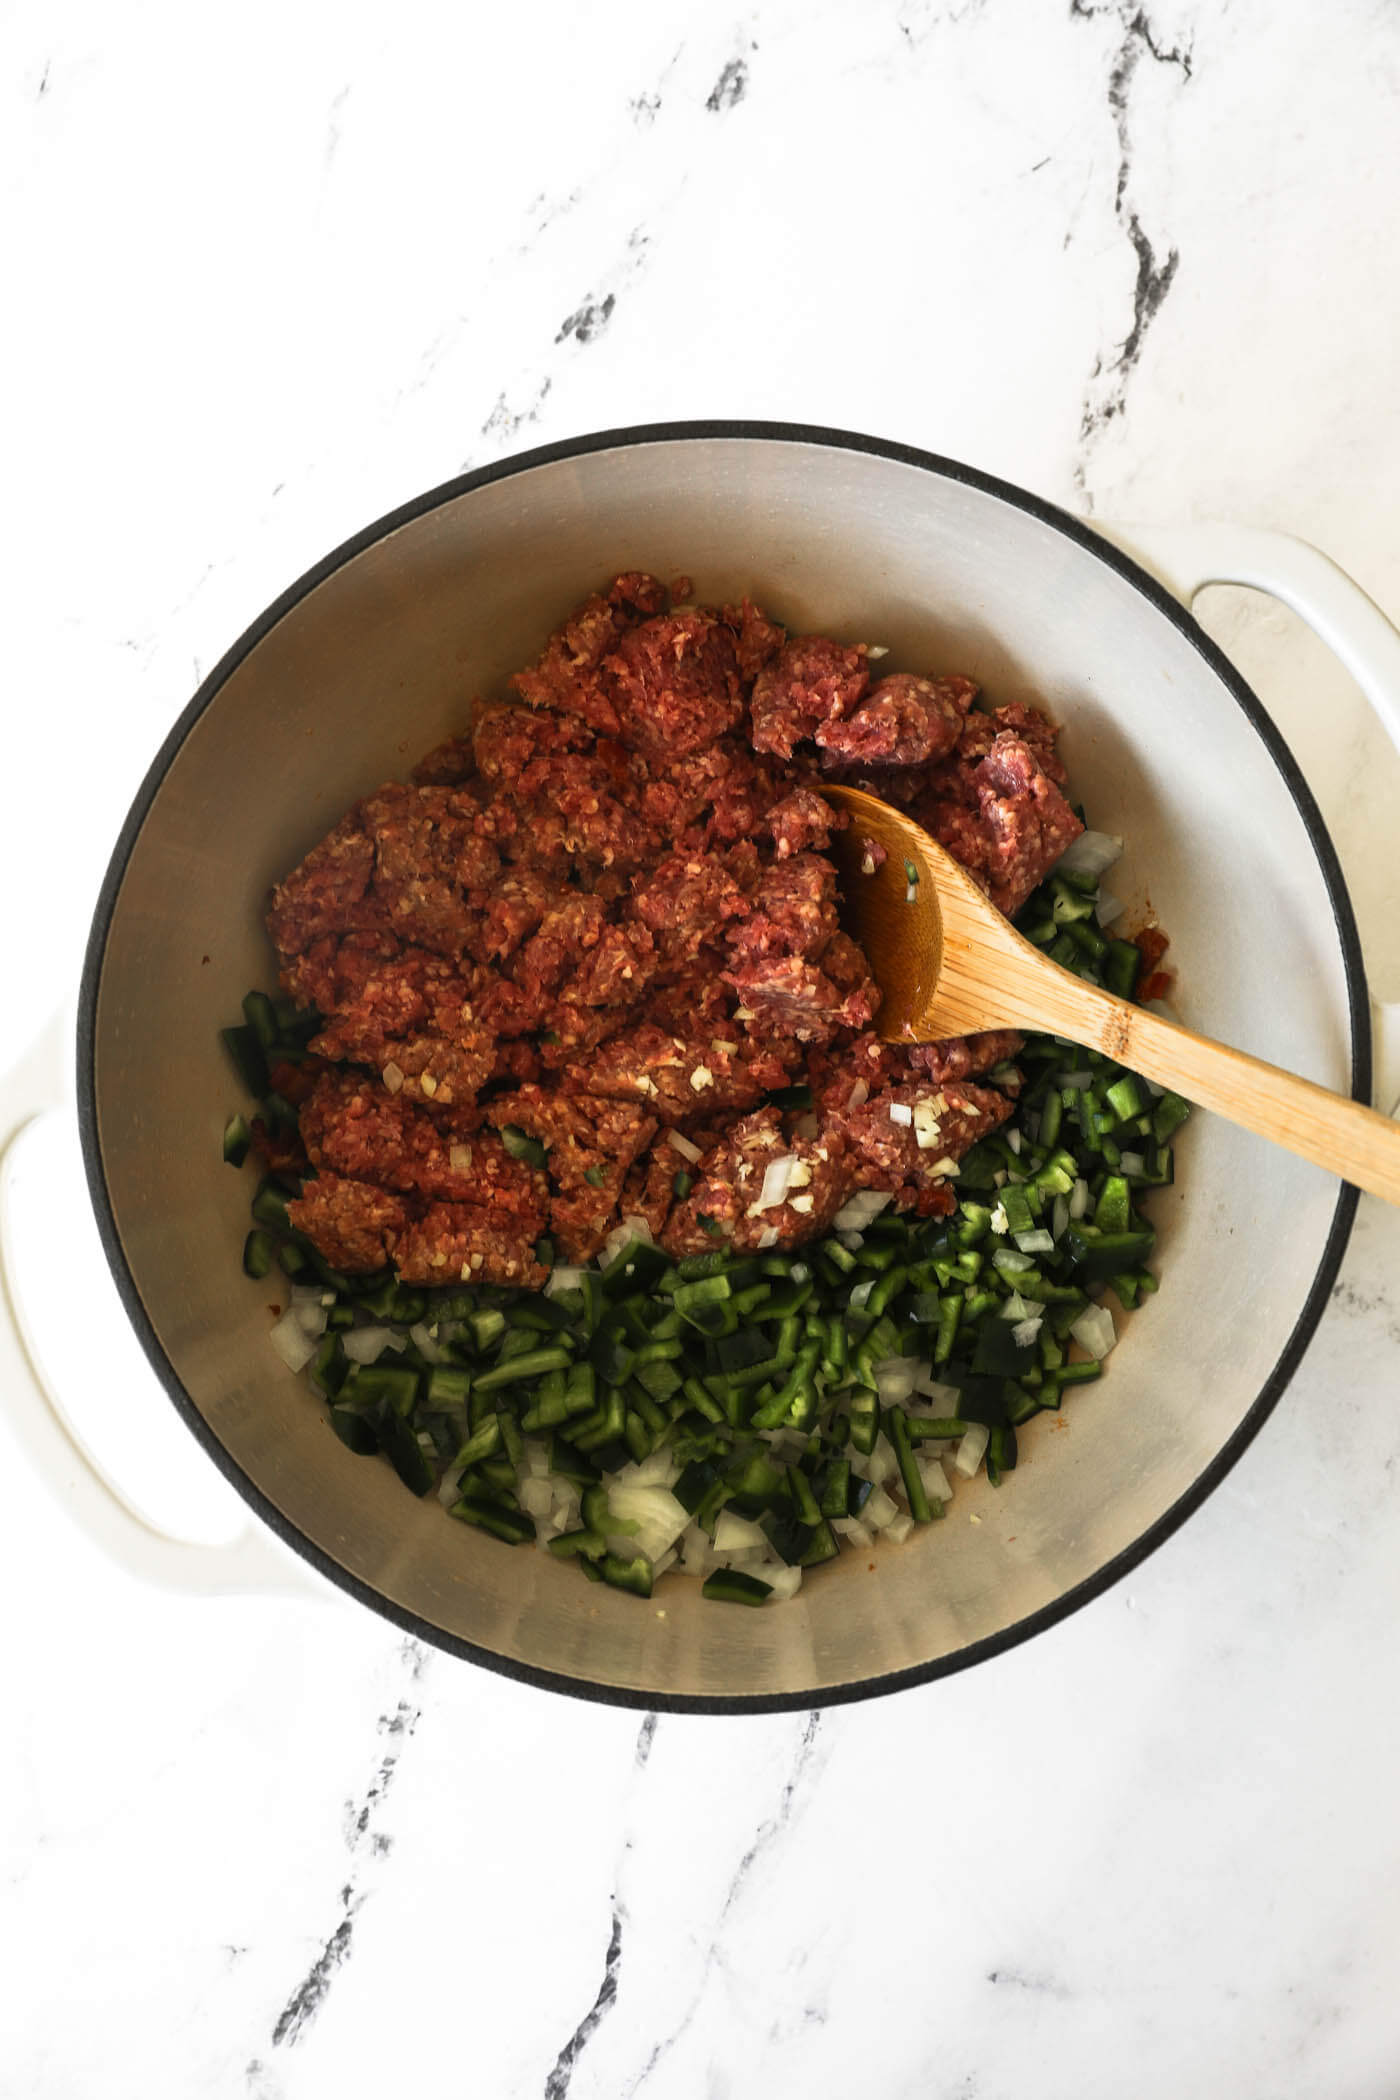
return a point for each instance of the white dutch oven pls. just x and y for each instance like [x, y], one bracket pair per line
[376, 654]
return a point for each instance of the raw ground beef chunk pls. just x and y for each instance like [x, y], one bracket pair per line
[604, 912]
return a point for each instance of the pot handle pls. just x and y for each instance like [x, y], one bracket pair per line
[1186, 558]
[252, 1561]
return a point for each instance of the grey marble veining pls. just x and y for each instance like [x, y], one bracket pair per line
[271, 279]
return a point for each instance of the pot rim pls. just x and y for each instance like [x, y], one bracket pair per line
[1089, 542]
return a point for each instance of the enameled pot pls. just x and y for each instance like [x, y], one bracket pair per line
[376, 655]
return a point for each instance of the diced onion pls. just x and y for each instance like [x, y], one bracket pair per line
[999, 1220]
[696, 1556]
[898, 1528]
[291, 1341]
[901, 1112]
[860, 1093]
[784, 1583]
[1025, 1331]
[1090, 854]
[365, 1345]
[449, 1486]
[311, 1294]
[683, 1146]
[851, 1241]
[876, 649]
[736, 1534]
[1037, 1242]
[894, 1380]
[1013, 1139]
[851, 1528]
[1132, 1163]
[659, 1469]
[880, 1509]
[860, 1295]
[1094, 1330]
[536, 1497]
[777, 1180]
[944, 1397]
[1078, 1199]
[563, 1278]
[882, 1465]
[459, 1158]
[425, 1345]
[767, 1238]
[1074, 1082]
[1059, 1219]
[859, 1210]
[622, 1236]
[1108, 909]
[935, 1480]
[659, 1518]
[393, 1076]
[972, 1449]
[311, 1319]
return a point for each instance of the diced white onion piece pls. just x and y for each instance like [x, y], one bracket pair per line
[972, 1449]
[1025, 1331]
[658, 1517]
[898, 1528]
[1090, 854]
[1059, 1219]
[459, 1158]
[894, 1380]
[935, 1480]
[859, 1210]
[448, 1487]
[393, 1076]
[311, 1294]
[1074, 1082]
[1108, 908]
[1078, 1199]
[876, 649]
[1013, 1139]
[784, 1583]
[658, 1469]
[425, 1345]
[1000, 1222]
[1132, 1163]
[860, 1295]
[911, 891]
[851, 1528]
[799, 1272]
[684, 1146]
[880, 1509]
[859, 1095]
[622, 1236]
[311, 1319]
[696, 1556]
[999, 1178]
[1037, 1242]
[944, 1397]
[882, 1465]
[536, 1457]
[1094, 1330]
[736, 1534]
[536, 1497]
[767, 1238]
[851, 1241]
[365, 1345]
[777, 1180]
[291, 1341]
[563, 1278]
[901, 1112]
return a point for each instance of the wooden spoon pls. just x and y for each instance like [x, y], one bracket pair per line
[948, 963]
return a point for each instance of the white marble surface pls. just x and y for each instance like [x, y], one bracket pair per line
[269, 273]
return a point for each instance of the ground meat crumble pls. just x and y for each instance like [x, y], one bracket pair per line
[603, 914]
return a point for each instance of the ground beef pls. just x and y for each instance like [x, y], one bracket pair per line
[912, 1160]
[356, 1225]
[729, 1182]
[607, 913]
[676, 683]
[462, 1243]
[902, 721]
[811, 680]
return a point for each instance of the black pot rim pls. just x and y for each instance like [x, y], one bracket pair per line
[1083, 537]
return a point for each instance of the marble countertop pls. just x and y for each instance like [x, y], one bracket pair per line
[271, 274]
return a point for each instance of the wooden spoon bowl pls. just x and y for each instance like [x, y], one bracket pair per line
[948, 963]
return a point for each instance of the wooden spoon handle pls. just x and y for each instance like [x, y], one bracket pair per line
[1330, 1130]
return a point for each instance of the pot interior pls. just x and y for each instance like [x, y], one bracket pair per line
[381, 659]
